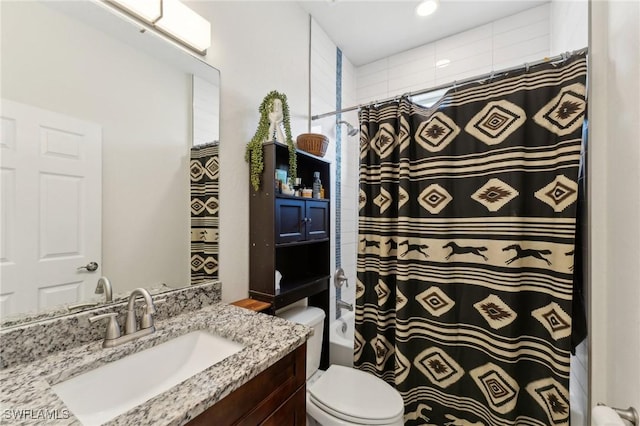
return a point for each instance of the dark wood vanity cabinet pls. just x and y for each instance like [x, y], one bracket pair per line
[275, 397]
[291, 235]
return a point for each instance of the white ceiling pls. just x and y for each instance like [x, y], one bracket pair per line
[366, 31]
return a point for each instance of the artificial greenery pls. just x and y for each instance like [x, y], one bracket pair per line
[253, 152]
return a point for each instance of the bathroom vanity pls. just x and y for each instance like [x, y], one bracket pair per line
[263, 383]
[274, 397]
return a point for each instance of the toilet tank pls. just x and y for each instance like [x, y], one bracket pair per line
[311, 317]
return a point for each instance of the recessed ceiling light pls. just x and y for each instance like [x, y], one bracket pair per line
[443, 63]
[427, 7]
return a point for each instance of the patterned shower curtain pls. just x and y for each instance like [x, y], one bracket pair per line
[466, 230]
[204, 170]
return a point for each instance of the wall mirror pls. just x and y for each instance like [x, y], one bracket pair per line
[81, 82]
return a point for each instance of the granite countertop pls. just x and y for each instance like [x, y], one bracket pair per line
[266, 339]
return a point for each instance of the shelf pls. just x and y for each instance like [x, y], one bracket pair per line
[288, 285]
[252, 305]
[292, 290]
[300, 152]
[293, 197]
[301, 243]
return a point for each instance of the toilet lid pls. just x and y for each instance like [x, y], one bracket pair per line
[356, 396]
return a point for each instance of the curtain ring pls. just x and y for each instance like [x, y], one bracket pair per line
[526, 66]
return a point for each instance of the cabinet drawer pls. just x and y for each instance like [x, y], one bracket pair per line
[263, 396]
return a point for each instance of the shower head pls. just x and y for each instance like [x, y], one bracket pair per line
[351, 131]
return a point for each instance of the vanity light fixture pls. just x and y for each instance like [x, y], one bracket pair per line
[443, 63]
[184, 24]
[427, 7]
[172, 18]
[147, 10]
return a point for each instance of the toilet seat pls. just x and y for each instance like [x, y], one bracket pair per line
[356, 397]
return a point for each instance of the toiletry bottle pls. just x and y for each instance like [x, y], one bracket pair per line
[317, 185]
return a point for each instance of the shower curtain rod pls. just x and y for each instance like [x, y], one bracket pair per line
[458, 83]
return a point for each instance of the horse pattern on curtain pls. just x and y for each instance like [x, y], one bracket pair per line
[466, 230]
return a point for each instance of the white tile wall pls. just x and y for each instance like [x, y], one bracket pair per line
[350, 162]
[520, 38]
[569, 25]
[323, 95]
[323, 99]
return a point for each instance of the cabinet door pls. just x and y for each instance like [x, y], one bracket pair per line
[317, 220]
[290, 220]
[292, 413]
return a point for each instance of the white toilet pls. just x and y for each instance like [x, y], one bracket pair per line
[343, 395]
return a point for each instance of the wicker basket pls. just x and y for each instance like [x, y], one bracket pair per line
[313, 143]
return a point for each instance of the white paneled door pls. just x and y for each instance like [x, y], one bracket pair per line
[50, 208]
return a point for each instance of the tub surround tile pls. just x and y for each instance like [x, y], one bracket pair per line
[28, 342]
[266, 339]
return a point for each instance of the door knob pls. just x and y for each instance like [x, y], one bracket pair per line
[91, 267]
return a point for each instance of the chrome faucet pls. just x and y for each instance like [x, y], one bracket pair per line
[343, 304]
[146, 321]
[104, 286]
[113, 337]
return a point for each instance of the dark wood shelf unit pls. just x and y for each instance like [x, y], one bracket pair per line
[292, 235]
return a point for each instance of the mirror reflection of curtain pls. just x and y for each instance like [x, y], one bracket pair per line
[204, 171]
[465, 262]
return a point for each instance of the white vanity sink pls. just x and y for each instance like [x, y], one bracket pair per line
[101, 394]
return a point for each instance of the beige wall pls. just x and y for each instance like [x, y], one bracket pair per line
[614, 161]
[258, 47]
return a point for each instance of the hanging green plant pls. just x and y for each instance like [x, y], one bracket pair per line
[253, 152]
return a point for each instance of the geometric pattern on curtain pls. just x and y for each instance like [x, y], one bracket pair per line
[204, 171]
[466, 239]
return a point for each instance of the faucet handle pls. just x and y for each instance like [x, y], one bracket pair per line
[113, 329]
[340, 278]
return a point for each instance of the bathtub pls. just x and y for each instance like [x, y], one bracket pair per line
[341, 340]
